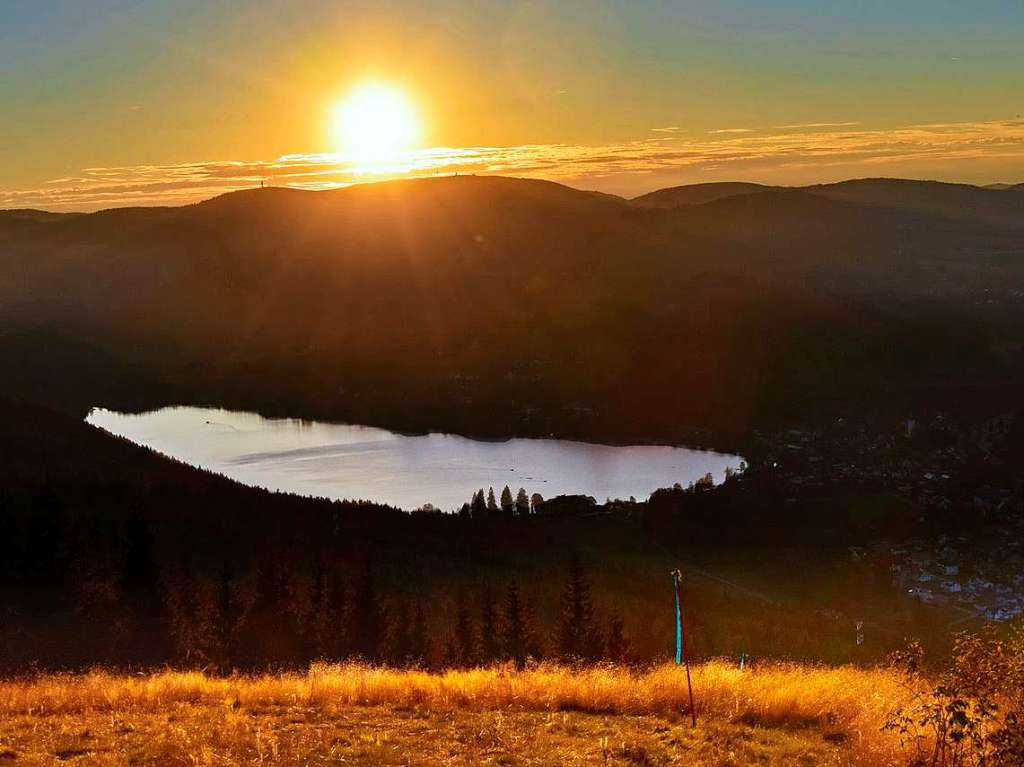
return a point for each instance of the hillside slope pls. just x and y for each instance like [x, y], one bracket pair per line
[135, 555]
[498, 305]
[698, 194]
[960, 202]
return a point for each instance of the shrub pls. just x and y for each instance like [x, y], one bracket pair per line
[973, 713]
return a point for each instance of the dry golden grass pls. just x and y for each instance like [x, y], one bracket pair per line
[789, 714]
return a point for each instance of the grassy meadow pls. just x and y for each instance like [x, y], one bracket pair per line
[548, 715]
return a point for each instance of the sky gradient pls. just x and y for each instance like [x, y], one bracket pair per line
[115, 102]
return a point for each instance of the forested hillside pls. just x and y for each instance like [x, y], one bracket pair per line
[496, 305]
[499, 306]
[148, 561]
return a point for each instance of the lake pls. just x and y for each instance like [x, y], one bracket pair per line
[344, 461]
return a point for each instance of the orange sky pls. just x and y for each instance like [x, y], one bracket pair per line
[146, 102]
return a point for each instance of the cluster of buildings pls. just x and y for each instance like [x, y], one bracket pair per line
[940, 470]
[914, 458]
[988, 583]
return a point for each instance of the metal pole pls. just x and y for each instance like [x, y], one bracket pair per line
[681, 645]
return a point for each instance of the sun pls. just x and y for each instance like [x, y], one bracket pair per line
[376, 123]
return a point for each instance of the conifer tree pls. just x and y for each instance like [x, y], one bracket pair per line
[522, 503]
[235, 596]
[399, 644]
[298, 596]
[366, 618]
[462, 640]
[450, 655]
[207, 608]
[226, 618]
[318, 601]
[507, 504]
[98, 595]
[419, 639]
[490, 647]
[478, 507]
[617, 646]
[577, 635]
[324, 629]
[492, 503]
[520, 640]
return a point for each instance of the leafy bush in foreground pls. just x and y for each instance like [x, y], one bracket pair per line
[973, 714]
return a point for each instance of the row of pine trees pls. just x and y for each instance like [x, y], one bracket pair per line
[490, 506]
[334, 617]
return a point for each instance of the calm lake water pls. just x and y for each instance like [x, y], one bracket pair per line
[362, 462]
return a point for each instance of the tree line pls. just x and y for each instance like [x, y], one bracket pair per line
[127, 601]
[489, 506]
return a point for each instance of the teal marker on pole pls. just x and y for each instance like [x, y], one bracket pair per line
[679, 620]
[682, 653]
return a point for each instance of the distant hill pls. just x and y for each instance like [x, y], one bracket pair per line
[29, 214]
[498, 305]
[957, 201]
[698, 194]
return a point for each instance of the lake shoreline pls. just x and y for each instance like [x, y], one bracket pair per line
[702, 439]
[406, 470]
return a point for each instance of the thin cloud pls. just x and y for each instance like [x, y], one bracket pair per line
[669, 129]
[816, 125]
[731, 130]
[799, 153]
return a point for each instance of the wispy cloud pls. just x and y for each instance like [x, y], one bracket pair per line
[815, 125]
[669, 129]
[633, 166]
[730, 130]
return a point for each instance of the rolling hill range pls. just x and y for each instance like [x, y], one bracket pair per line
[956, 201]
[500, 305]
[698, 194]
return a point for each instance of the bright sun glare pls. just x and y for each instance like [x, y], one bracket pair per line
[375, 123]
